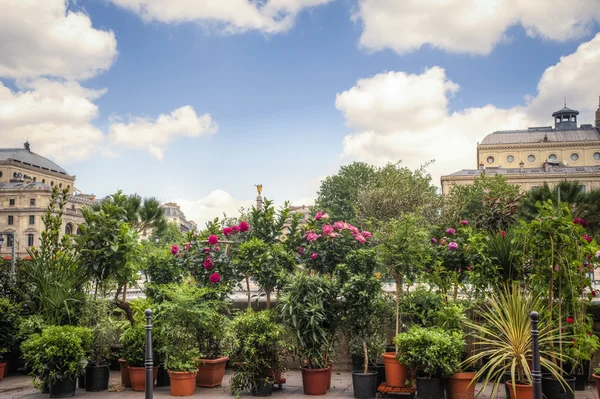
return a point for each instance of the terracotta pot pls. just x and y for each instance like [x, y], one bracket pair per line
[125, 381]
[182, 383]
[137, 376]
[523, 391]
[396, 373]
[457, 386]
[211, 372]
[314, 381]
[2, 369]
[597, 380]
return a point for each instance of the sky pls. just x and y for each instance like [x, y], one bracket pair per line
[196, 101]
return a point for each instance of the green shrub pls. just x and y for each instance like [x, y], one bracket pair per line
[9, 325]
[417, 307]
[57, 353]
[431, 352]
[134, 345]
[97, 315]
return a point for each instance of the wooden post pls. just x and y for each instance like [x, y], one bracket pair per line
[149, 363]
[536, 370]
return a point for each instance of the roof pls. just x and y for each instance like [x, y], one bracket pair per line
[540, 135]
[23, 156]
[16, 185]
[555, 170]
[565, 110]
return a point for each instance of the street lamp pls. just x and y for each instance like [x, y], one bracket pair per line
[12, 266]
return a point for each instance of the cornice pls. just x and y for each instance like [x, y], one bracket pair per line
[538, 145]
[10, 162]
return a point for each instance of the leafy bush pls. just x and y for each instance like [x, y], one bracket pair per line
[57, 353]
[418, 307]
[134, 345]
[9, 325]
[431, 352]
[256, 345]
[97, 315]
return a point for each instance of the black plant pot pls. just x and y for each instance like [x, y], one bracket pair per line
[96, 377]
[263, 388]
[380, 373]
[430, 388]
[81, 380]
[45, 387]
[390, 348]
[162, 377]
[364, 385]
[552, 389]
[62, 388]
[580, 381]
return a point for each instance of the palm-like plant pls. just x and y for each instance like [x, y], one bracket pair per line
[570, 193]
[505, 338]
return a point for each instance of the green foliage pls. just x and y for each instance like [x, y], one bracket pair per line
[7, 282]
[570, 193]
[144, 213]
[338, 193]
[171, 236]
[57, 352]
[268, 223]
[256, 346]
[134, 345]
[432, 352]
[97, 315]
[9, 325]
[161, 268]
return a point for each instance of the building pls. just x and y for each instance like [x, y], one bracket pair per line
[173, 214]
[538, 155]
[26, 183]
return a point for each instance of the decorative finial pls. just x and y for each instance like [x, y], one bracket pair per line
[27, 146]
[599, 101]
[258, 188]
[565, 101]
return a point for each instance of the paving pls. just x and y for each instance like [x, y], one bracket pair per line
[19, 386]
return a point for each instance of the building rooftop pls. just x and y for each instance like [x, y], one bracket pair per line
[553, 170]
[542, 135]
[26, 185]
[26, 157]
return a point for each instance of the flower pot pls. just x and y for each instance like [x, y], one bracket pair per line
[211, 372]
[45, 387]
[380, 373]
[137, 376]
[457, 386]
[430, 388]
[62, 388]
[580, 381]
[182, 383]
[263, 388]
[330, 374]
[396, 373]
[364, 385]
[96, 377]
[81, 381]
[524, 391]
[552, 389]
[3, 369]
[125, 381]
[597, 380]
[314, 381]
[162, 377]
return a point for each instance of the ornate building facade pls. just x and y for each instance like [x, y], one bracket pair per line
[26, 183]
[538, 155]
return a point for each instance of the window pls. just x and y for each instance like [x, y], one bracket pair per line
[582, 188]
[11, 220]
[60, 185]
[35, 179]
[10, 239]
[0, 173]
[597, 156]
[51, 184]
[552, 157]
[68, 229]
[32, 202]
[510, 159]
[44, 181]
[11, 202]
[31, 219]
[574, 157]
[490, 159]
[30, 240]
[531, 158]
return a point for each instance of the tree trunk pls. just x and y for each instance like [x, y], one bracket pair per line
[366, 357]
[269, 299]
[248, 290]
[127, 309]
[125, 292]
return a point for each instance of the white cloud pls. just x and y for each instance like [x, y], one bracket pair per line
[230, 16]
[403, 116]
[471, 26]
[155, 135]
[213, 205]
[43, 38]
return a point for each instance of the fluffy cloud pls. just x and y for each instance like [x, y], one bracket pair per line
[155, 135]
[471, 26]
[231, 16]
[403, 116]
[43, 38]
[213, 205]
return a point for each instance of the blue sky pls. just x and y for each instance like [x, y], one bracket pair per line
[271, 91]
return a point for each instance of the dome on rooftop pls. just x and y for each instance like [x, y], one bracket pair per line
[26, 157]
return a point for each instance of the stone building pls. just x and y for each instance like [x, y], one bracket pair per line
[173, 214]
[538, 155]
[26, 182]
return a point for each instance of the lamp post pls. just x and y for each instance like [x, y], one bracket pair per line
[12, 266]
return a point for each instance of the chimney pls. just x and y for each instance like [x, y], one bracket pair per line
[521, 166]
[598, 114]
[546, 166]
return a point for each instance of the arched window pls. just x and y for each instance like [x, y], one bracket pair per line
[68, 229]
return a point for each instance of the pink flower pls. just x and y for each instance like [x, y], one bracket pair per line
[556, 268]
[443, 241]
[360, 238]
[594, 293]
[450, 231]
[217, 248]
[597, 254]
[227, 231]
[301, 250]
[353, 229]
[338, 225]
[588, 238]
[215, 278]
[469, 268]
[208, 263]
[187, 247]
[333, 235]
[206, 250]
[310, 236]
[433, 240]
[325, 216]
[503, 233]
[235, 229]
[314, 256]
[366, 234]
[569, 320]
[319, 215]
[244, 226]
[453, 246]
[174, 250]
[213, 239]
[327, 229]
[464, 222]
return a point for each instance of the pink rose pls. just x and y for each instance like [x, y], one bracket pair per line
[450, 231]
[235, 229]
[366, 234]
[453, 246]
[187, 247]
[213, 239]
[217, 248]
[206, 250]
[464, 222]
[503, 233]
[442, 241]
[208, 263]
[301, 251]
[244, 226]
[215, 278]
[310, 236]
[360, 238]
[325, 216]
[314, 256]
[319, 215]
[333, 235]
[588, 238]
[174, 250]
[227, 231]
[327, 229]
[338, 225]
[353, 229]
[433, 240]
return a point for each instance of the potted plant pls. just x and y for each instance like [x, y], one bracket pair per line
[55, 357]
[256, 345]
[596, 376]
[9, 328]
[302, 306]
[580, 351]
[134, 350]
[181, 360]
[504, 338]
[432, 354]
